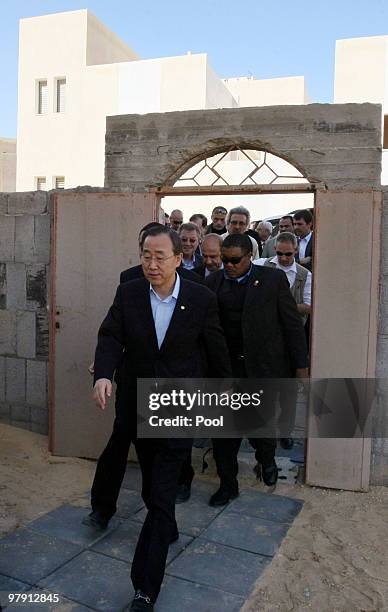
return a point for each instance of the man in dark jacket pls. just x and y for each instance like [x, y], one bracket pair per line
[265, 339]
[158, 326]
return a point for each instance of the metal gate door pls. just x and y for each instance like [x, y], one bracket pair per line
[94, 238]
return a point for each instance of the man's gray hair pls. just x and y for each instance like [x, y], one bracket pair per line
[266, 225]
[287, 237]
[189, 227]
[238, 210]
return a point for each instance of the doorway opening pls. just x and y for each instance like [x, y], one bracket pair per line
[269, 187]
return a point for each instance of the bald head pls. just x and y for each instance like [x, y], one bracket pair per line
[176, 219]
[211, 252]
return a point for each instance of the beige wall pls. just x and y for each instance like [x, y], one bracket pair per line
[267, 92]
[7, 164]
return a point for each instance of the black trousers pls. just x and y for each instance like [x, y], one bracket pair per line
[225, 452]
[161, 467]
[111, 467]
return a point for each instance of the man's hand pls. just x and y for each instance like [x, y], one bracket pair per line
[91, 368]
[101, 390]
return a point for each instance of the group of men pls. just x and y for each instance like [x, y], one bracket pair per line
[202, 304]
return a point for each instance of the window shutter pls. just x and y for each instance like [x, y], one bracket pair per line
[59, 182]
[41, 183]
[61, 92]
[42, 97]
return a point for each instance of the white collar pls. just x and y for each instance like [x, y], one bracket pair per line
[175, 291]
[292, 268]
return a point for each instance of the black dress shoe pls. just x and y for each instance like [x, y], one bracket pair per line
[97, 520]
[141, 603]
[183, 493]
[222, 497]
[286, 443]
[269, 474]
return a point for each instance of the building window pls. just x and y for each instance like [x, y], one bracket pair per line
[40, 183]
[385, 141]
[42, 98]
[59, 182]
[60, 86]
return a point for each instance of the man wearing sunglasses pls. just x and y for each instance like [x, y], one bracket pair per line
[265, 338]
[299, 278]
[237, 222]
[217, 226]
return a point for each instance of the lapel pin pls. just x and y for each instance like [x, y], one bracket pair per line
[183, 307]
[256, 284]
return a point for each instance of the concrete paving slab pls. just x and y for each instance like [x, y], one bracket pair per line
[193, 516]
[65, 523]
[29, 556]
[94, 580]
[121, 544]
[246, 533]
[10, 585]
[217, 566]
[275, 508]
[179, 595]
[46, 601]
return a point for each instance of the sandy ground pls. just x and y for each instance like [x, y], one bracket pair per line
[333, 559]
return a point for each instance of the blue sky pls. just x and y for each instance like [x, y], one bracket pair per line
[246, 37]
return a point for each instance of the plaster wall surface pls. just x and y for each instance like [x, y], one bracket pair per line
[7, 164]
[267, 92]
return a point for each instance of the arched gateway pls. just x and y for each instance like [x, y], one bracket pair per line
[335, 151]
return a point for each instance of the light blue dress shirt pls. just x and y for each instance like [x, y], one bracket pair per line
[162, 310]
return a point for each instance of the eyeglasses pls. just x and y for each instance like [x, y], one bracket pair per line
[234, 222]
[159, 259]
[288, 254]
[233, 260]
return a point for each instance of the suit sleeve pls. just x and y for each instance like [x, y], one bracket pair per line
[292, 325]
[215, 344]
[110, 342]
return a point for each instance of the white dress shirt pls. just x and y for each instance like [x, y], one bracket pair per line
[290, 272]
[163, 309]
[303, 242]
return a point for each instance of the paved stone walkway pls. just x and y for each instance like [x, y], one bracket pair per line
[211, 568]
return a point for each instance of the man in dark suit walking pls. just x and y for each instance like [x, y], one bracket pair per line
[158, 326]
[265, 338]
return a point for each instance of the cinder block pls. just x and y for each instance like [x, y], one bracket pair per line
[7, 332]
[42, 239]
[15, 380]
[25, 333]
[39, 416]
[7, 238]
[24, 239]
[36, 389]
[5, 412]
[3, 203]
[16, 286]
[36, 285]
[42, 333]
[20, 412]
[39, 428]
[2, 379]
[27, 202]
[3, 285]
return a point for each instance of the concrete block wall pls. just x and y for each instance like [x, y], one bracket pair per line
[24, 286]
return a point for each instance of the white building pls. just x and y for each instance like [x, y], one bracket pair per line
[80, 72]
[7, 164]
[361, 75]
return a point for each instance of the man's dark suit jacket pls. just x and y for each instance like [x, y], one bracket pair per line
[308, 253]
[137, 272]
[194, 345]
[273, 335]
